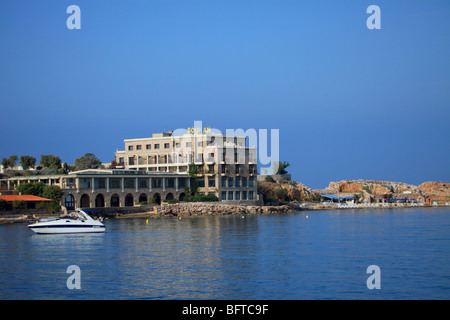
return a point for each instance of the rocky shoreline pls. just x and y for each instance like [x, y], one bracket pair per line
[204, 209]
[297, 196]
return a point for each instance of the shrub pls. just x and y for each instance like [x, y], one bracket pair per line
[281, 194]
[41, 205]
[172, 201]
[269, 179]
[367, 189]
[54, 207]
[3, 204]
[201, 198]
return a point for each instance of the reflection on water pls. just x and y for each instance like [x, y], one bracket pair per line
[286, 256]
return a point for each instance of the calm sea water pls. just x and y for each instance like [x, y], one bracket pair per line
[285, 256]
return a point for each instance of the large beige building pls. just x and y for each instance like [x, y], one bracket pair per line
[223, 165]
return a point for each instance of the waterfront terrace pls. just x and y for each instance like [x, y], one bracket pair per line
[96, 188]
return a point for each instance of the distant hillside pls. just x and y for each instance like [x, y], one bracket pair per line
[370, 190]
[365, 190]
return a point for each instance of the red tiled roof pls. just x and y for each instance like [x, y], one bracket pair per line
[26, 197]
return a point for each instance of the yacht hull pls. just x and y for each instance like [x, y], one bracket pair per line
[66, 229]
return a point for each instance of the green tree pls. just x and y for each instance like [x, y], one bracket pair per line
[282, 165]
[3, 204]
[193, 170]
[27, 162]
[5, 163]
[35, 189]
[64, 169]
[53, 192]
[50, 161]
[12, 160]
[88, 161]
[9, 162]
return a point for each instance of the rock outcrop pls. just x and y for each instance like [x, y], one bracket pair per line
[436, 191]
[371, 190]
[273, 191]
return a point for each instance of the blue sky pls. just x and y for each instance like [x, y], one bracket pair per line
[350, 103]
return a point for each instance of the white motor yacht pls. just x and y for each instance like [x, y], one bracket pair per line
[83, 223]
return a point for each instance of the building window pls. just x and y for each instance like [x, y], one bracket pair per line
[244, 182]
[121, 160]
[148, 146]
[170, 183]
[251, 181]
[201, 182]
[188, 144]
[224, 195]
[230, 182]
[156, 145]
[230, 195]
[237, 182]
[131, 161]
[156, 183]
[224, 182]
[166, 145]
[250, 195]
[177, 145]
[115, 183]
[130, 148]
[129, 183]
[99, 183]
[143, 183]
[244, 195]
[139, 147]
[181, 182]
[238, 195]
[211, 182]
[200, 144]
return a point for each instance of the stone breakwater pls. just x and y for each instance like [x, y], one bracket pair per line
[199, 208]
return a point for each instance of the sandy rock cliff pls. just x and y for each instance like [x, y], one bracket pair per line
[295, 191]
[373, 189]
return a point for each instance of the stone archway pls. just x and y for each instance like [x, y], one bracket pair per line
[85, 201]
[157, 198]
[181, 197]
[142, 198]
[99, 201]
[169, 196]
[115, 200]
[129, 200]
